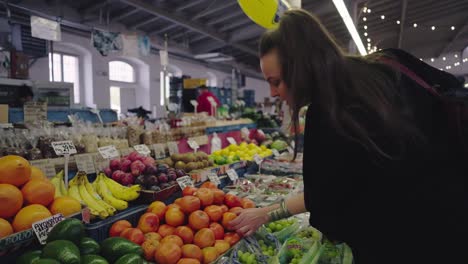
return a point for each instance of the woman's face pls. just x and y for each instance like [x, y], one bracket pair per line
[271, 69]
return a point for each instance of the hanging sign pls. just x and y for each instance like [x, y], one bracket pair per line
[65, 147]
[193, 145]
[45, 29]
[258, 159]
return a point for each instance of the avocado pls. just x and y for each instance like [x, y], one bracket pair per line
[89, 246]
[93, 259]
[63, 251]
[29, 257]
[130, 259]
[113, 248]
[69, 229]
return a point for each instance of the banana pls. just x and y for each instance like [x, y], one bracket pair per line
[89, 200]
[104, 191]
[56, 182]
[89, 187]
[73, 190]
[122, 192]
[63, 189]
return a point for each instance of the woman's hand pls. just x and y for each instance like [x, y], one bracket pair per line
[249, 220]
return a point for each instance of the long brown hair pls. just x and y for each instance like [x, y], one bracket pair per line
[347, 90]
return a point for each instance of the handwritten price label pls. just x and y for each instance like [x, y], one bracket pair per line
[142, 149]
[258, 159]
[173, 148]
[108, 152]
[159, 151]
[214, 178]
[232, 174]
[185, 182]
[45, 166]
[43, 227]
[64, 147]
[85, 163]
[193, 144]
[231, 140]
[275, 153]
[290, 150]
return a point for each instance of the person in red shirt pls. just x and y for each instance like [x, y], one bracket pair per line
[204, 104]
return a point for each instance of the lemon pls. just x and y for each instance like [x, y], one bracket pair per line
[263, 147]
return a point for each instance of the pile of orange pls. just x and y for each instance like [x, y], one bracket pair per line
[25, 194]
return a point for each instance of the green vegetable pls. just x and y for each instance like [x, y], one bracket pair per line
[89, 246]
[62, 250]
[115, 247]
[69, 229]
[93, 259]
[130, 259]
[46, 261]
[29, 257]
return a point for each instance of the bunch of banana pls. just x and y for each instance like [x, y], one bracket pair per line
[89, 187]
[103, 190]
[59, 185]
[122, 192]
[73, 190]
[93, 205]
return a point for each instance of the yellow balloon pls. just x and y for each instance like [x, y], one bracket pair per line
[266, 13]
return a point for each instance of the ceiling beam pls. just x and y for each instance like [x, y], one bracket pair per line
[95, 6]
[181, 34]
[145, 22]
[457, 35]
[404, 5]
[192, 25]
[162, 30]
[207, 47]
[124, 14]
[234, 24]
[224, 17]
[220, 6]
[188, 5]
[246, 33]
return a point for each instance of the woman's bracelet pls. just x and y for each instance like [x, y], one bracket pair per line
[280, 213]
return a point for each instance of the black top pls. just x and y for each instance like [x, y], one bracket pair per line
[406, 211]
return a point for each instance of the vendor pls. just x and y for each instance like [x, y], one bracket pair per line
[379, 173]
[204, 104]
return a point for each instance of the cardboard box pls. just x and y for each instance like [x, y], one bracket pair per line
[3, 113]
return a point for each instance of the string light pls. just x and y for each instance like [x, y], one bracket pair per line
[433, 27]
[415, 25]
[368, 39]
[398, 22]
[452, 28]
[365, 34]
[365, 26]
[456, 55]
[432, 59]
[443, 58]
[382, 17]
[369, 10]
[364, 19]
[364, 9]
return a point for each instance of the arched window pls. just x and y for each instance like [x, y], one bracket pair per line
[66, 69]
[121, 72]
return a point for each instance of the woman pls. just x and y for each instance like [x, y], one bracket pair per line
[378, 170]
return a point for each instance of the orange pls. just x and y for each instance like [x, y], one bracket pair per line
[29, 215]
[210, 254]
[14, 170]
[173, 239]
[205, 195]
[11, 200]
[5, 228]
[37, 174]
[198, 220]
[175, 217]
[38, 192]
[204, 238]
[65, 205]
[168, 253]
[192, 251]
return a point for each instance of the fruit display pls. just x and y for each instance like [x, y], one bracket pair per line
[144, 171]
[193, 228]
[246, 257]
[242, 151]
[191, 161]
[104, 196]
[68, 243]
[27, 196]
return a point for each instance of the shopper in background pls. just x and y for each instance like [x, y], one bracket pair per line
[204, 104]
[378, 170]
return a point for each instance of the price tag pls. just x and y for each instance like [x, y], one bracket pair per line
[43, 227]
[290, 150]
[214, 178]
[142, 149]
[232, 174]
[258, 159]
[126, 151]
[108, 152]
[86, 215]
[84, 162]
[231, 140]
[184, 182]
[245, 131]
[275, 152]
[173, 148]
[159, 151]
[193, 144]
[64, 147]
[45, 166]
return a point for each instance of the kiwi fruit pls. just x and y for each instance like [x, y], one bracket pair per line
[185, 158]
[180, 165]
[206, 163]
[191, 166]
[176, 157]
[168, 161]
[191, 157]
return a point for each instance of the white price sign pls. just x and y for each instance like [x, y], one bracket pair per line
[173, 148]
[142, 149]
[43, 227]
[84, 162]
[258, 159]
[232, 174]
[64, 147]
[213, 177]
[184, 182]
[108, 152]
[290, 150]
[231, 140]
[159, 151]
[193, 144]
[275, 152]
[45, 166]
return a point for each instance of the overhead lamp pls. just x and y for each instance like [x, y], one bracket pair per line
[206, 55]
[456, 55]
[398, 22]
[433, 27]
[341, 7]
[443, 58]
[452, 28]
[432, 59]
[415, 25]
[220, 59]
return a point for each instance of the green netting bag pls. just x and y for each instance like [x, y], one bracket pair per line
[336, 254]
[294, 249]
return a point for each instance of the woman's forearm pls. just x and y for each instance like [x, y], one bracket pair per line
[294, 205]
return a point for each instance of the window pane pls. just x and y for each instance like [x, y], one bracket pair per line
[57, 68]
[115, 99]
[121, 71]
[71, 74]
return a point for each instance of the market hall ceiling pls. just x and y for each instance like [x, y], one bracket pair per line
[201, 26]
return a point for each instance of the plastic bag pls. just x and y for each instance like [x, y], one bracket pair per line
[294, 250]
[247, 252]
[335, 254]
[284, 232]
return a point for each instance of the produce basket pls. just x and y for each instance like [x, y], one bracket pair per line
[148, 196]
[100, 230]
